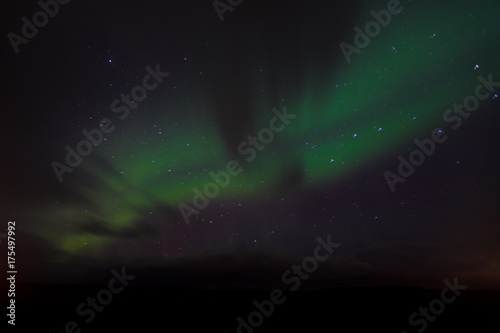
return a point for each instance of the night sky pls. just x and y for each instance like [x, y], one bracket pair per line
[323, 171]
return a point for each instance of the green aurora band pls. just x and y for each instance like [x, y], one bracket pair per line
[395, 90]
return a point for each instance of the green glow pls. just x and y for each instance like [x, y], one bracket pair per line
[379, 89]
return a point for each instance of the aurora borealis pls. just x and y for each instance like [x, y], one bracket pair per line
[322, 174]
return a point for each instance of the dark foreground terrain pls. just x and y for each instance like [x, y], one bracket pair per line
[148, 309]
